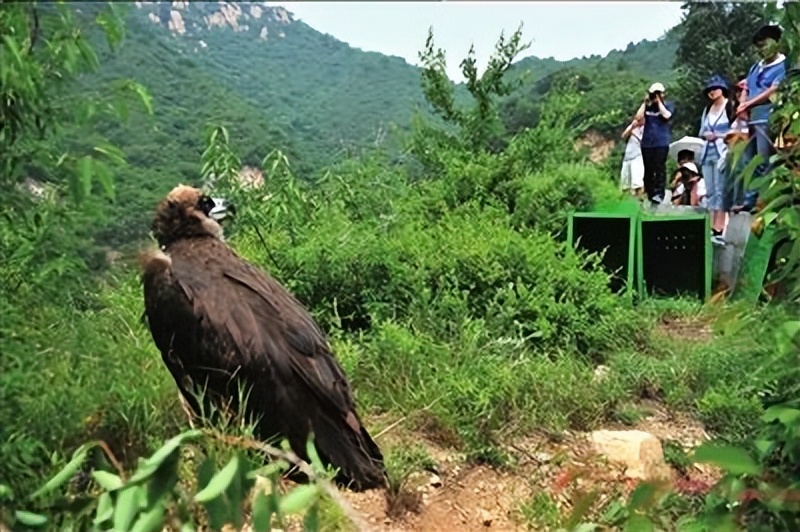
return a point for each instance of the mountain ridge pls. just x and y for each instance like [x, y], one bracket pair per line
[290, 87]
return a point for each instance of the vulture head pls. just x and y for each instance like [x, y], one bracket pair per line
[188, 212]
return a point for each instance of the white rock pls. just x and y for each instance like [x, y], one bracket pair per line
[640, 451]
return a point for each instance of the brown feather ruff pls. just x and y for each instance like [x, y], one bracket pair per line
[220, 322]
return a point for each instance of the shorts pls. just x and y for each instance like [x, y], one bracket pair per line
[631, 176]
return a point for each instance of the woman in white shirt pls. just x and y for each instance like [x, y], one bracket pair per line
[714, 126]
[632, 173]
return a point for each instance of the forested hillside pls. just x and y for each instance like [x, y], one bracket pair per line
[483, 351]
[277, 83]
[611, 86]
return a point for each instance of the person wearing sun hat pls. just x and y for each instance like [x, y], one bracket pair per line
[688, 187]
[657, 113]
[714, 126]
[762, 82]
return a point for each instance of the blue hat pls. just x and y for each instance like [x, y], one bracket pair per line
[716, 82]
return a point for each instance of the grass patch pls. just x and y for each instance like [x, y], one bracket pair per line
[540, 512]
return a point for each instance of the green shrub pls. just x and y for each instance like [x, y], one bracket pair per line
[80, 375]
[725, 410]
[546, 197]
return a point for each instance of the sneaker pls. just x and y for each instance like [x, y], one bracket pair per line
[718, 240]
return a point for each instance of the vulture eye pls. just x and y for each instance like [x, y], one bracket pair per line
[205, 204]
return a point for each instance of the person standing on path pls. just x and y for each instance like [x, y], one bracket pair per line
[762, 82]
[714, 125]
[632, 172]
[657, 114]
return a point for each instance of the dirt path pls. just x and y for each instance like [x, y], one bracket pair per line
[548, 476]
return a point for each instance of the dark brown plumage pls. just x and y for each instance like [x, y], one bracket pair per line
[219, 321]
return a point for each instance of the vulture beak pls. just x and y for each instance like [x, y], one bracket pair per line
[222, 209]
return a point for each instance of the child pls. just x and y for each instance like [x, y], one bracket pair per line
[684, 156]
[688, 188]
[632, 172]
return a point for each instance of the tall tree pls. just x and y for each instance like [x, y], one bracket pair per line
[47, 133]
[480, 124]
[44, 48]
[715, 38]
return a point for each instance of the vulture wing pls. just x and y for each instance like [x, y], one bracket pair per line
[219, 320]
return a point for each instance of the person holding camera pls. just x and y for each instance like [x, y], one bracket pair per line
[657, 113]
[688, 187]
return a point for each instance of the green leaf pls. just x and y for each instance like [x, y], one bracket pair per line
[67, 473]
[108, 481]
[736, 487]
[87, 52]
[13, 49]
[268, 470]
[84, 176]
[790, 329]
[127, 507]
[311, 519]
[298, 499]
[262, 512]
[615, 511]
[112, 152]
[149, 466]
[585, 527]
[238, 489]
[163, 480]
[6, 493]
[217, 509]
[764, 447]
[787, 416]
[30, 519]
[220, 482]
[690, 523]
[109, 21]
[734, 460]
[150, 521]
[722, 522]
[638, 523]
[311, 449]
[144, 96]
[105, 509]
[106, 179]
[643, 495]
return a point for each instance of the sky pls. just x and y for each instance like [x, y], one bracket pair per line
[562, 30]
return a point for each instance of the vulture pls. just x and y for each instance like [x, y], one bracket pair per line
[221, 322]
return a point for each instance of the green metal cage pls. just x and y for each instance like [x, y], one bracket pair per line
[674, 254]
[612, 234]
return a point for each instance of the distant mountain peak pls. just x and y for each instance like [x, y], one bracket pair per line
[193, 19]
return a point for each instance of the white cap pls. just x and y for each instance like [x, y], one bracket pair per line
[690, 166]
[657, 87]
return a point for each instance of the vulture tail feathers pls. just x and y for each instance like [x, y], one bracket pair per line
[353, 452]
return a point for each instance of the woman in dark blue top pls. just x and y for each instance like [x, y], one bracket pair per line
[657, 135]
